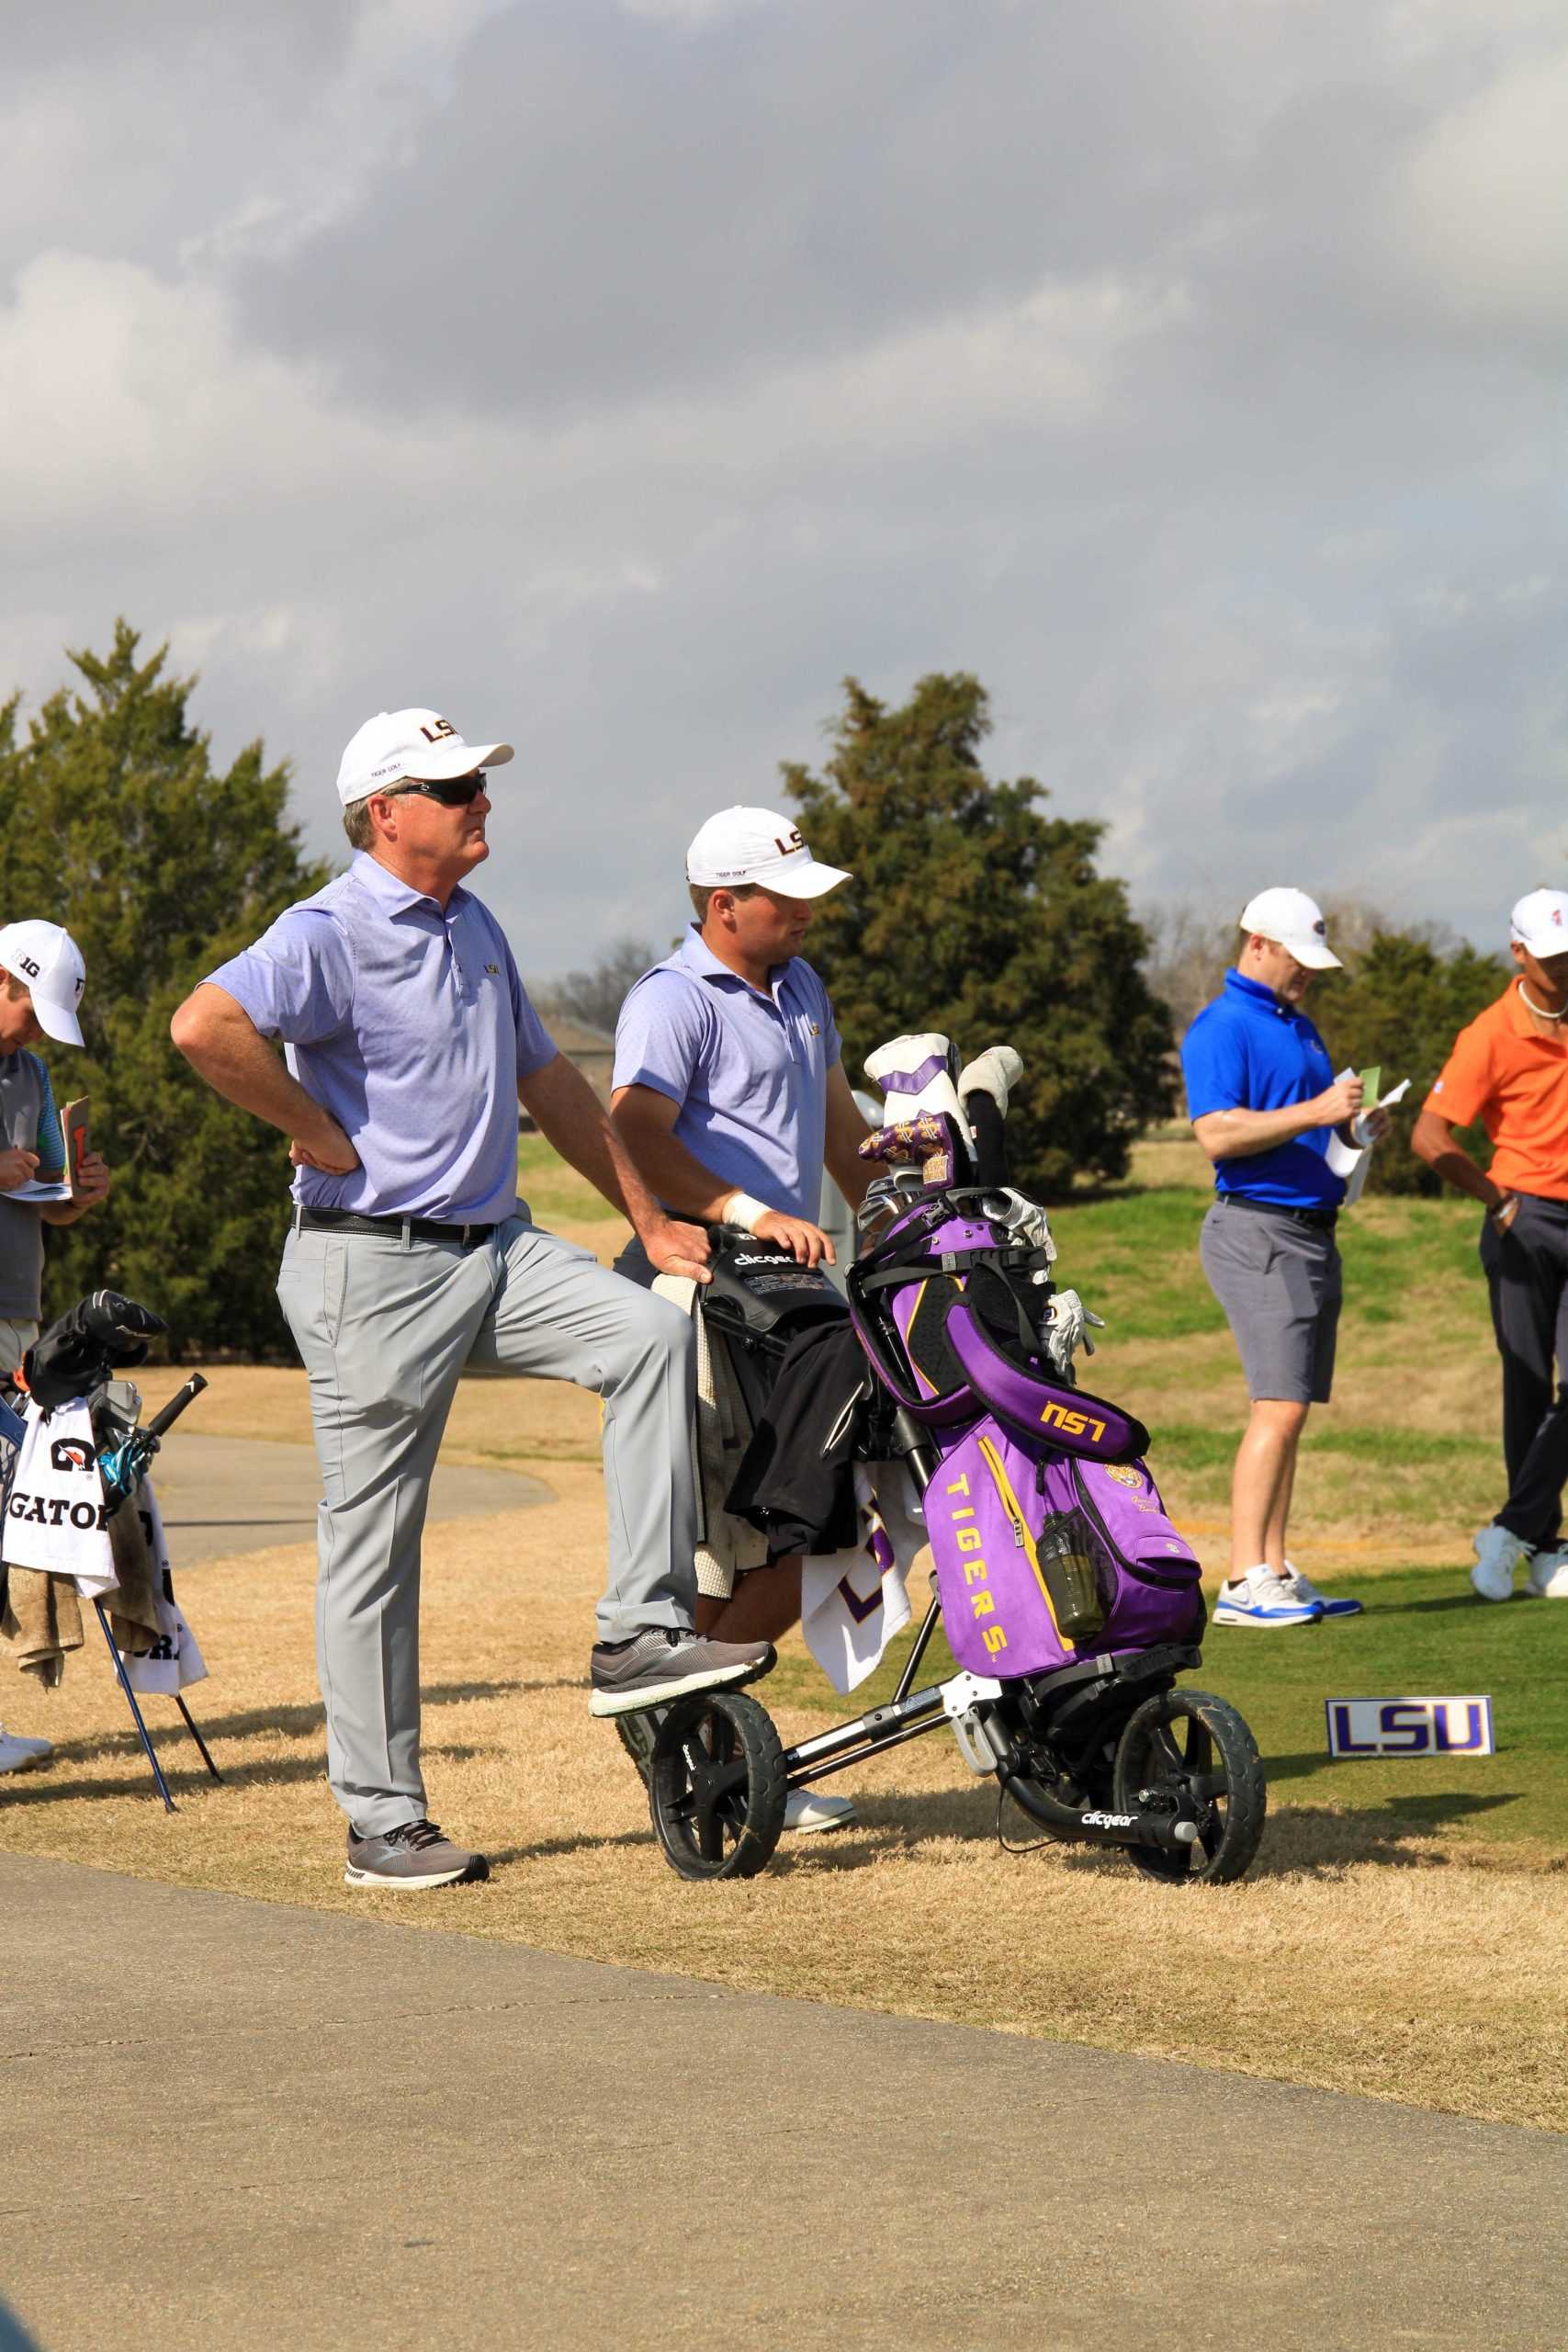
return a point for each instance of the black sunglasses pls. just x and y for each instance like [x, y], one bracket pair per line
[453, 792]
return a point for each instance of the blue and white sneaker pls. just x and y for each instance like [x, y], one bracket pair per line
[1303, 1588]
[1260, 1598]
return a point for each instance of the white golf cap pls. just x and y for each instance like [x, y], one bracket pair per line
[1294, 922]
[743, 845]
[1540, 923]
[47, 961]
[419, 744]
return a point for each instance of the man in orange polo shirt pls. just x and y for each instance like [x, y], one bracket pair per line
[1509, 1069]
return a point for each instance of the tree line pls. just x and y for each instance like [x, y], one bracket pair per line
[973, 909]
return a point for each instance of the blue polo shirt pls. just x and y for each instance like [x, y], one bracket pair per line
[1248, 1052]
[408, 1022]
[748, 1066]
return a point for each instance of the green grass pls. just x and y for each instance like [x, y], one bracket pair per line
[1422, 1635]
[1203, 1446]
[553, 1190]
[1134, 1254]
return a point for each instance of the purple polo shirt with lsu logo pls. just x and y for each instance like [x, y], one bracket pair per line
[411, 1025]
[748, 1066]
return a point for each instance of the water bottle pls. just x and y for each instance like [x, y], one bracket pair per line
[1065, 1550]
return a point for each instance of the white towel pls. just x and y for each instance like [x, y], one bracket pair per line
[853, 1602]
[167, 1663]
[56, 1518]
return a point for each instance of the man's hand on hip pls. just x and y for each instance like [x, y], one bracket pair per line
[804, 1240]
[326, 1147]
[676, 1247]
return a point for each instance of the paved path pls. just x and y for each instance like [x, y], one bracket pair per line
[230, 2123]
[222, 1494]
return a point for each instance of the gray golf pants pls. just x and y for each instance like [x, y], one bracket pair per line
[384, 1329]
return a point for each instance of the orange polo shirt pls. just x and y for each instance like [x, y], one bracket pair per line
[1504, 1073]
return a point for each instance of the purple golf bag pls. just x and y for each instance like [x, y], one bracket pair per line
[1051, 1541]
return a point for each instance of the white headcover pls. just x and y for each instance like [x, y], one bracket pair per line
[995, 1072]
[915, 1074]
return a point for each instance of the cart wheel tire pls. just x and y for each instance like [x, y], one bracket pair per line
[717, 1786]
[1189, 1743]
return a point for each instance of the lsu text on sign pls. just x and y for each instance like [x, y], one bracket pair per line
[1410, 1726]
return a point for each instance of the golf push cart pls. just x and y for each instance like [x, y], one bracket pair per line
[1069, 1601]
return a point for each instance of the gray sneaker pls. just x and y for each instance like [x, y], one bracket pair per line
[660, 1664]
[413, 1856]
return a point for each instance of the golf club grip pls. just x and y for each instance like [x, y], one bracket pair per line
[175, 1407]
[985, 1116]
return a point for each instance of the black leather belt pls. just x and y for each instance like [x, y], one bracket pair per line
[403, 1228]
[1329, 1217]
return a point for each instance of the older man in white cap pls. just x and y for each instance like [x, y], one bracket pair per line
[1509, 1069]
[729, 1089]
[411, 1041]
[44, 978]
[1263, 1099]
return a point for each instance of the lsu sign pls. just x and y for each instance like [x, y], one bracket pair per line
[1409, 1726]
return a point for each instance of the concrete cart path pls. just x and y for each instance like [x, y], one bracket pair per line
[232, 2123]
[222, 1494]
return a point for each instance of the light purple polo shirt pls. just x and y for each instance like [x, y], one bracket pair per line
[412, 1028]
[749, 1068]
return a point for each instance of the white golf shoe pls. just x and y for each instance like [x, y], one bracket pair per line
[19, 1755]
[1548, 1577]
[1498, 1553]
[808, 1809]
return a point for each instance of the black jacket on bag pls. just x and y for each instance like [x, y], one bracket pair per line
[795, 1481]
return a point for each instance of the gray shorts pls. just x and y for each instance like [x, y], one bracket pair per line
[1281, 1285]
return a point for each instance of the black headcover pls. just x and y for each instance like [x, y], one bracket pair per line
[102, 1333]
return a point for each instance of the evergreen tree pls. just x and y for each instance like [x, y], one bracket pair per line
[160, 867]
[973, 913]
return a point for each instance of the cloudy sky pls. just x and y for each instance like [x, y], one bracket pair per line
[618, 374]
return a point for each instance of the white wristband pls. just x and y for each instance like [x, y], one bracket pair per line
[742, 1210]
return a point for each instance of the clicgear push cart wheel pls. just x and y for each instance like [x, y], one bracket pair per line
[717, 1786]
[1189, 1745]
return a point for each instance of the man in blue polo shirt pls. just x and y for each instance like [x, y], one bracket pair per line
[1263, 1099]
[730, 1091]
[411, 1041]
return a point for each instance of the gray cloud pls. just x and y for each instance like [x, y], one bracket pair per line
[618, 377]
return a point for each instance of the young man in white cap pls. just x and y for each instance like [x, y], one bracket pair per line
[1509, 1069]
[1263, 1099]
[43, 979]
[729, 1089]
[410, 1043]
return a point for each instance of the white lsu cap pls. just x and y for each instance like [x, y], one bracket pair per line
[1294, 922]
[1540, 923]
[419, 744]
[47, 962]
[742, 845]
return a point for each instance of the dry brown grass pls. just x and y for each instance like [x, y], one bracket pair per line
[1357, 1957]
